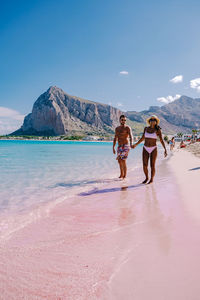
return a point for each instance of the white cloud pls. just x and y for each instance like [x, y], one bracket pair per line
[123, 72]
[177, 79]
[195, 84]
[10, 113]
[168, 99]
[119, 104]
[10, 120]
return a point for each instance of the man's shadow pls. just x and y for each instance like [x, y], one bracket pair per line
[194, 169]
[110, 190]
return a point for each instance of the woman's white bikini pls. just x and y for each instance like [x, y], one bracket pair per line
[150, 152]
[150, 136]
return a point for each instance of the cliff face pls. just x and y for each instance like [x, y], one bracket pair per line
[183, 112]
[180, 115]
[57, 113]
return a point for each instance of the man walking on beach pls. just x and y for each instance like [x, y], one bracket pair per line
[123, 134]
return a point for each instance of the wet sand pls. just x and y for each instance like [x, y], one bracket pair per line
[122, 241]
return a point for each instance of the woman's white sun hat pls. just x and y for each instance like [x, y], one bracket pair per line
[153, 117]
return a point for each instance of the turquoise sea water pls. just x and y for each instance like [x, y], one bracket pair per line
[34, 172]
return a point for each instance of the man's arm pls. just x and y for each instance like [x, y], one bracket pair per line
[140, 140]
[130, 136]
[162, 142]
[114, 141]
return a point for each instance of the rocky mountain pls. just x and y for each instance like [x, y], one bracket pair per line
[57, 113]
[181, 115]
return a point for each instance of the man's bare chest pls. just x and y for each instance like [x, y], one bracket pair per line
[122, 131]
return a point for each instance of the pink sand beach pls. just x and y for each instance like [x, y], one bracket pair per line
[123, 241]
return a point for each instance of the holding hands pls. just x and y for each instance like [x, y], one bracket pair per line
[133, 146]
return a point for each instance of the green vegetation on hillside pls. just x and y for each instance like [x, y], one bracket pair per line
[72, 137]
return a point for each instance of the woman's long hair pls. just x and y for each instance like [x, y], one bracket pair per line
[157, 127]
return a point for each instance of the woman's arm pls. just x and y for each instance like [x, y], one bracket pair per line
[162, 142]
[140, 140]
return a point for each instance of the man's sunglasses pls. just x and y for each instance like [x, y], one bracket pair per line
[152, 120]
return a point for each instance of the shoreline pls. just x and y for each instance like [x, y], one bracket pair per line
[48, 140]
[143, 229]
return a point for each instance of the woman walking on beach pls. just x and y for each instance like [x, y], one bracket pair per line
[150, 135]
[172, 143]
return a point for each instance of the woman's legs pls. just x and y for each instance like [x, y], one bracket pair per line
[145, 159]
[153, 157]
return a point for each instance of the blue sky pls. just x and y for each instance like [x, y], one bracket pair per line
[82, 46]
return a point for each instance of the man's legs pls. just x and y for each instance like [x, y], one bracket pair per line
[122, 161]
[124, 168]
[121, 168]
